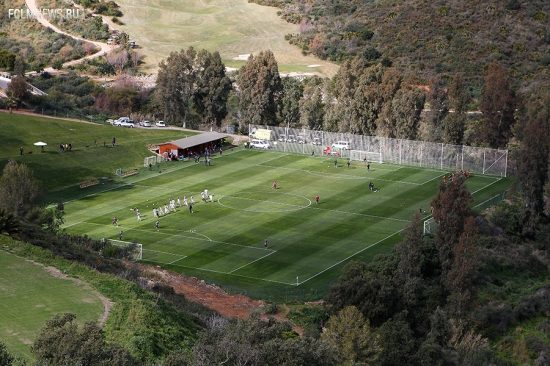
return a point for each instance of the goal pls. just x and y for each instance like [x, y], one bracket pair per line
[153, 160]
[430, 226]
[372, 157]
[122, 249]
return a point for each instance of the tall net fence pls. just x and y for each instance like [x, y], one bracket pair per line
[388, 150]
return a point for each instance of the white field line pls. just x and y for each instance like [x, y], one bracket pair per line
[360, 214]
[339, 176]
[119, 186]
[183, 236]
[349, 257]
[225, 273]
[298, 207]
[267, 255]
[177, 260]
[490, 184]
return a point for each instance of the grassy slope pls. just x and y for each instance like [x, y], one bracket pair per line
[231, 27]
[31, 295]
[58, 170]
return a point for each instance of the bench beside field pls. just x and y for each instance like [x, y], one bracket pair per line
[89, 184]
[129, 173]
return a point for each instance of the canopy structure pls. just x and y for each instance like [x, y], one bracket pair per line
[41, 144]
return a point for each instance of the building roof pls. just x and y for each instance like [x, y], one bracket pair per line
[202, 138]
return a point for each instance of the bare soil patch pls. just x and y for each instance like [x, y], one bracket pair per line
[196, 290]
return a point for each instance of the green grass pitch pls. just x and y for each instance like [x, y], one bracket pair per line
[223, 240]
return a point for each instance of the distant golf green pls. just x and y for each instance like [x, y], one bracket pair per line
[231, 27]
[31, 294]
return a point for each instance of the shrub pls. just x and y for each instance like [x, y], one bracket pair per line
[271, 308]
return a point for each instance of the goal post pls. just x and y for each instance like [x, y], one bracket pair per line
[430, 226]
[122, 249]
[370, 156]
[153, 160]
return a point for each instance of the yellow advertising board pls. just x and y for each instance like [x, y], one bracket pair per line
[262, 134]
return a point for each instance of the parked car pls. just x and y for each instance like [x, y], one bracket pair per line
[121, 120]
[301, 140]
[145, 124]
[291, 138]
[259, 144]
[282, 138]
[342, 145]
[127, 124]
[316, 141]
[160, 124]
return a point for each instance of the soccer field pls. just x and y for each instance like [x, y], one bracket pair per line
[223, 240]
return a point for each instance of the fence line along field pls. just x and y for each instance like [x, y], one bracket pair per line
[247, 233]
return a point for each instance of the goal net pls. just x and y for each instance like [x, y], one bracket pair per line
[430, 226]
[153, 160]
[371, 157]
[122, 249]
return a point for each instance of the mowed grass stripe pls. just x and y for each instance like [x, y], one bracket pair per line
[225, 238]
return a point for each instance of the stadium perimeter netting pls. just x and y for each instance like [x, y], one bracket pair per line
[387, 150]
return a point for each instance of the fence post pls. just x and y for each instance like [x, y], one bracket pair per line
[506, 164]
[441, 158]
[483, 160]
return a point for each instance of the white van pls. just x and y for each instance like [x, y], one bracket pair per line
[259, 144]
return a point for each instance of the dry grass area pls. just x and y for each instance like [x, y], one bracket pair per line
[231, 27]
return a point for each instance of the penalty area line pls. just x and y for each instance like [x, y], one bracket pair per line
[267, 255]
[351, 256]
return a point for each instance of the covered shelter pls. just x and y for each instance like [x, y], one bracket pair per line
[198, 144]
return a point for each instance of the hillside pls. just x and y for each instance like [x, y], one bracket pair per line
[426, 37]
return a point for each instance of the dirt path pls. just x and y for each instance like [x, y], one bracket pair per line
[107, 304]
[104, 48]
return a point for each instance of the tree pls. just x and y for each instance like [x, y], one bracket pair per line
[463, 271]
[312, 108]
[176, 84]
[366, 104]
[20, 89]
[212, 88]
[409, 273]
[6, 358]
[498, 103]
[351, 334]
[7, 59]
[438, 100]
[391, 83]
[533, 171]
[451, 207]
[19, 66]
[9, 224]
[406, 107]
[345, 85]
[289, 102]
[454, 124]
[396, 342]
[259, 86]
[19, 190]
[60, 343]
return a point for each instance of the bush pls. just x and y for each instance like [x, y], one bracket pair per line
[271, 308]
